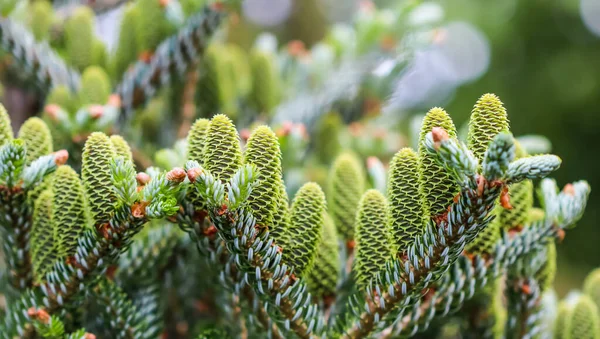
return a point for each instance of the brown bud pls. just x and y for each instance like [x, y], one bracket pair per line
[96, 111]
[505, 199]
[61, 157]
[177, 175]
[439, 135]
[164, 3]
[39, 314]
[89, 336]
[138, 209]
[569, 189]
[142, 178]
[193, 173]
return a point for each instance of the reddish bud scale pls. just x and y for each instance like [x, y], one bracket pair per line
[142, 178]
[505, 199]
[569, 189]
[439, 135]
[177, 175]
[61, 157]
[138, 210]
[193, 173]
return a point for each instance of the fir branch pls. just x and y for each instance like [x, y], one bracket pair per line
[119, 312]
[96, 249]
[173, 56]
[16, 209]
[37, 59]
[257, 256]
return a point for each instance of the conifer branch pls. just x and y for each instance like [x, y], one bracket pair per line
[173, 56]
[37, 59]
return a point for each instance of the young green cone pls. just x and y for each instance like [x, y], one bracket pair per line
[583, 321]
[121, 147]
[487, 120]
[346, 185]
[437, 187]
[306, 221]
[222, 152]
[372, 237]
[95, 86]
[68, 209]
[406, 213]
[37, 138]
[322, 279]
[6, 132]
[43, 242]
[95, 172]
[263, 152]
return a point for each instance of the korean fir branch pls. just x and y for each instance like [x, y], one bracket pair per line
[255, 253]
[216, 143]
[23, 168]
[400, 284]
[119, 210]
[124, 319]
[525, 260]
[172, 57]
[526, 255]
[36, 58]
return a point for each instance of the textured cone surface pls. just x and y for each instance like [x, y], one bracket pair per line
[265, 85]
[196, 140]
[222, 152]
[37, 138]
[281, 219]
[68, 209]
[487, 120]
[346, 186]
[324, 274]
[263, 152]
[372, 237]
[43, 243]
[562, 315]
[591, 286]
[95, 86]
[521, 198]
[485, 241]
[95, 172]
[306, 226]
[545, 276]
[406, 214]
[121, 147]
[61, 96]
[41, 19]
[584, 321]
[79, 35]
[6, 132]
[127, 51]
[437, 186]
